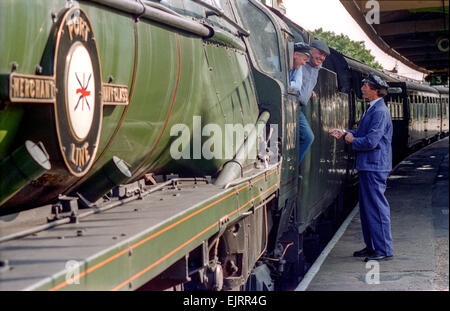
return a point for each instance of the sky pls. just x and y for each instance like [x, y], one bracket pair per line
[332, 16]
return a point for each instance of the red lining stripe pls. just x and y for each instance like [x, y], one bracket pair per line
[125, 251]
[186, 243]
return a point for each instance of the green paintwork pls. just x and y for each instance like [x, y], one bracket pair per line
[152, 252]
[323, 169]
[442, 9]
[271, 86]
[172, 76]
[26, 163]
[25, 48]
[9, 121]
[177, 76]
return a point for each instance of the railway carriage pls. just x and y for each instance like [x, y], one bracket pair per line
[425, 117]
[443, 109]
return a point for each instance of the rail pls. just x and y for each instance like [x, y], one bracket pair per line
[156, 13]
[219, 12]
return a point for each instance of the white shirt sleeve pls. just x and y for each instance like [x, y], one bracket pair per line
[296, 82]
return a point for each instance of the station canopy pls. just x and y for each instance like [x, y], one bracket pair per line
[414, 32]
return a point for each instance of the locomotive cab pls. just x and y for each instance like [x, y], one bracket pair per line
[270, 63]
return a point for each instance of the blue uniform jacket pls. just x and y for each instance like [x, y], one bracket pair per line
[373, 137]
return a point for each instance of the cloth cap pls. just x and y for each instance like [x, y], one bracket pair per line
[302, 47]
[320, 45]
[376, 81]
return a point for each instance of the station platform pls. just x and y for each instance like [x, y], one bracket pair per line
[418, 194]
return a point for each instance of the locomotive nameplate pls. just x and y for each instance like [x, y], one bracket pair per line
[31, 89]
[114, 94]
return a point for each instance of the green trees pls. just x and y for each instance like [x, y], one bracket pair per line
[344, 45]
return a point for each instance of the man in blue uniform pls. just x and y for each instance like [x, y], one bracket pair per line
[372, 144]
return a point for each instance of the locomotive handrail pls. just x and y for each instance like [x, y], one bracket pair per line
[158, 14]
[219, 12]
[223, 37]
[233, 168]
[242, 180]
[161, 7]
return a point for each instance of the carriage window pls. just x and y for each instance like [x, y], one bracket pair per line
[262, 30]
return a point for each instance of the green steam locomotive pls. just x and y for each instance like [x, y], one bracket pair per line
[153, 145]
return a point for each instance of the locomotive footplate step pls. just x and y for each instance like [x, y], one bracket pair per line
[418, 194]
[115, 249]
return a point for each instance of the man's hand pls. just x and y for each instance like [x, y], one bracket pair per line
[336, 133]
[349, 138]
[313, 95]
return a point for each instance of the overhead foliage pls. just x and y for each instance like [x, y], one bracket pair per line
[343, 44]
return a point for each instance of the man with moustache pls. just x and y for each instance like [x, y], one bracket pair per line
[372, 144]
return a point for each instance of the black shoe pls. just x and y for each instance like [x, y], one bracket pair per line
[364, 253]
[377, 257]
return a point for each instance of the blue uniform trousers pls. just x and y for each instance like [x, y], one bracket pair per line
[375, 212]
[306, 136]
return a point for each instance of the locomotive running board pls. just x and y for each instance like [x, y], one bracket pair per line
[125, 247]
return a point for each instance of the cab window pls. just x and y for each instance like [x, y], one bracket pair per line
[262, 30]
[214, 3]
